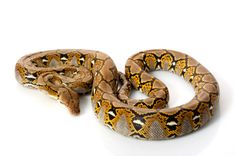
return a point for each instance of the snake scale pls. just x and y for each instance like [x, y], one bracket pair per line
[67, 73]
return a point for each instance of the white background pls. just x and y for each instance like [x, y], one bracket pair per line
[33, 124]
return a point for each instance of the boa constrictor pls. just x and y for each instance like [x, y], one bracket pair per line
[67, 73]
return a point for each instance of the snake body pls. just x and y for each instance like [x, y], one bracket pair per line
[66, 73]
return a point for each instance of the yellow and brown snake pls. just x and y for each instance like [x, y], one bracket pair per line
[67, 73]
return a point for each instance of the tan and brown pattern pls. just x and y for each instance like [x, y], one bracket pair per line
[66, 74]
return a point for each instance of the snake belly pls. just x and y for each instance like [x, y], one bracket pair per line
[65, 74]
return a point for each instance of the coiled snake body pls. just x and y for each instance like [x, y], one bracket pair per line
[64, 74]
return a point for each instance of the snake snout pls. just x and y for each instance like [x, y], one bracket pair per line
[70, 99]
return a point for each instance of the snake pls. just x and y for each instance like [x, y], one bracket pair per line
[66, 74]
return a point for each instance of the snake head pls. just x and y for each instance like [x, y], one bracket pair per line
[66, 84]
[69, 98]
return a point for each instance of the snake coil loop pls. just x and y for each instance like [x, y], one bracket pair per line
[67, 73]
